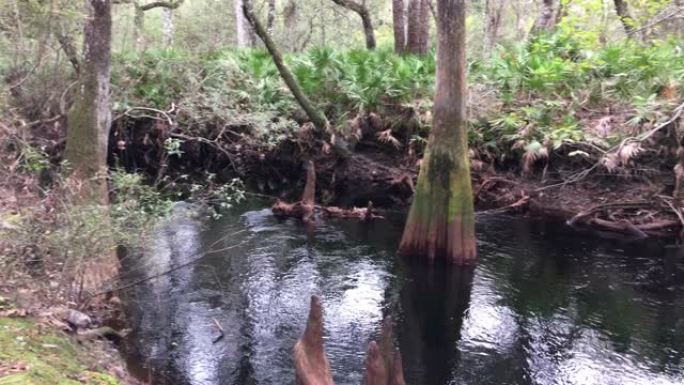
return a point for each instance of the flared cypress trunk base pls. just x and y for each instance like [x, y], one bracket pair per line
[441, 223]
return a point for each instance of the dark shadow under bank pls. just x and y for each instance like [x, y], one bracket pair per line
[628, 204]
[545, 304]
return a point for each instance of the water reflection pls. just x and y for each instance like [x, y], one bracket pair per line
[544, 306]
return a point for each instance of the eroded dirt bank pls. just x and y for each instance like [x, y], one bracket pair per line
[375, 166]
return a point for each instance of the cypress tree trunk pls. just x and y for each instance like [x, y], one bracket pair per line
[89, 118]
[424, 28]
[315, 115]
[418, 27]
[412, 28]
[441, 222]
[399, 25]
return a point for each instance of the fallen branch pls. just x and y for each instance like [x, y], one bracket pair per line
[581, 216]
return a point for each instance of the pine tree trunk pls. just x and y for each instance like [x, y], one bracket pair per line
[399, 25]
[441, 222]
[316, 116]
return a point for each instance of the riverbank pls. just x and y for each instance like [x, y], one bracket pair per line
[35, 349]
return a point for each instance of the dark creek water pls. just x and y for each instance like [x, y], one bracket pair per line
[545, 305]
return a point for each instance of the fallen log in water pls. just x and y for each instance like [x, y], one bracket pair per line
[304, 209]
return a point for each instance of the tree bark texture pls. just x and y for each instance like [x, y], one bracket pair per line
[168, 28]
[89, 118]
[362, 11]
[315, 115]
[399, 25]
[139, 21]
[241, 26]
[88, 122]
[548, 17]
[441, 222]
[418, 27]
[270, 22]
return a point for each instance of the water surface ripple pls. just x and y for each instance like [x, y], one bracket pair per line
[545, 305]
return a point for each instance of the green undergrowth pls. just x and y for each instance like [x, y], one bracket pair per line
[30, 354]
[543, 93]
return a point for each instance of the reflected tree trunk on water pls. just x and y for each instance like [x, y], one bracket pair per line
[433, 302]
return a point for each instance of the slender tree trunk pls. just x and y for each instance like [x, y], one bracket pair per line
[412, 28]
[70, 51]
[138, 29]
[548, 17]
[270, 23]
[441, 222]
[242, 27]
[89, 118]
[362, 11]
[168, 28]
[316, 116]
[418, 27]
[399, 25]
[493, 13]
[622, 10]
[424, 27]
[89, 121]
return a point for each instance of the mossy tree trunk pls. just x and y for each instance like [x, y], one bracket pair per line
[89, 118]
[441, 222]
[88, 123]
[316, 116]
[362, 11]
